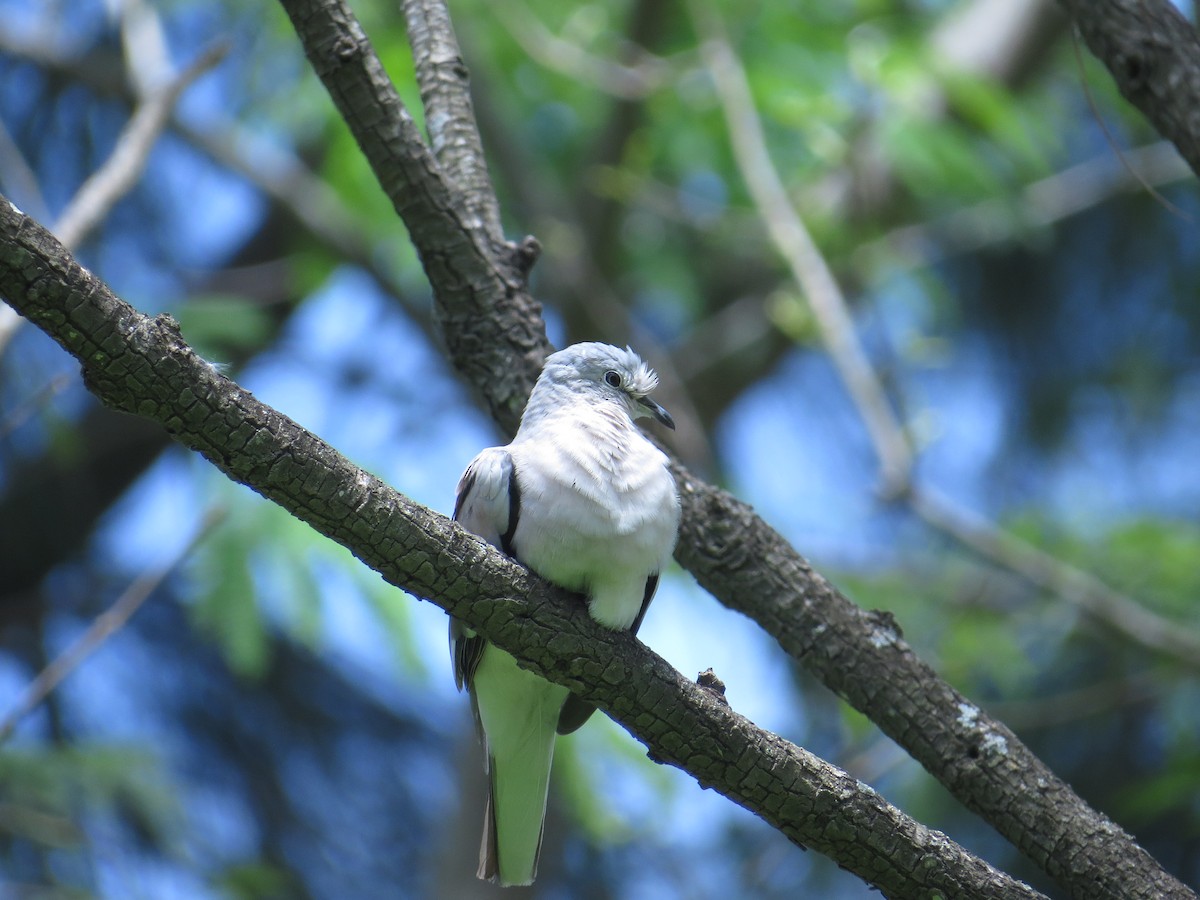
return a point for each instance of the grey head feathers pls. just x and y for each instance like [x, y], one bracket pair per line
[595, 372]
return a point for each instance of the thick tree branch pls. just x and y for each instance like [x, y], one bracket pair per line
[860, 656]
[142, 365]
[749, 567]
[470, 279]
[449, 116]
[1153, 53]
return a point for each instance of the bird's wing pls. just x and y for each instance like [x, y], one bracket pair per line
[515, 709]
[575, 711]
[487, 504]
[487, 501]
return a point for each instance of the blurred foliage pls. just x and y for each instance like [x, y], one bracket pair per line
[1038, 330]
[58, 782]
[218, 325]
[256, 881]
[55, 800]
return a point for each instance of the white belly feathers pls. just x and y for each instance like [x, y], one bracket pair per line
[603, 507]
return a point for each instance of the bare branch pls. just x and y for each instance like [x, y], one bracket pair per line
[470, 280]
[105, 626]
[861, 656]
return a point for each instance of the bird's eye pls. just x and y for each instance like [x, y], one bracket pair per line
[612, 379]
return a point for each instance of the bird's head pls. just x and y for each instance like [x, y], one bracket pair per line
[605, 372]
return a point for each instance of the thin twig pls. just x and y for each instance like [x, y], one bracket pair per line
[626, 82]
[1065, 708]
[124, 166]
[1111, 139]
[1080, 588]
[105, 625]
[120, 172]
[892, 447]
[1040, 204]
[800, 252]
[1153, 54]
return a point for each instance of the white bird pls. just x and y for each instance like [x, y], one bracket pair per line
[585, 500]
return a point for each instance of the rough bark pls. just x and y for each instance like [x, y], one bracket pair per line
[861, 656]
[470, 278]
[449, 114]
[1153, 53]
[749, 567]
[138, 364]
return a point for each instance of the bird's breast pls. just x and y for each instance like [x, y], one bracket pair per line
[590, 509]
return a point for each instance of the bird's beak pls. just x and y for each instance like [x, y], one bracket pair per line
[657, 412]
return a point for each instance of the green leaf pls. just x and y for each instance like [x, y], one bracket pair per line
[256, 880]
[227, 605]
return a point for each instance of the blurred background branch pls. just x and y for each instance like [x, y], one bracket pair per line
[888, 436]
[102, 628]
[631, 81]
[794, 243]
[119, 173]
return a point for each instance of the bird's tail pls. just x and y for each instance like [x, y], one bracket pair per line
[515, 815]
[518, 712]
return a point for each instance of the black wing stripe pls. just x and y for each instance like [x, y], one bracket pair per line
[468, 482]
[514, 511]
[651, 587]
